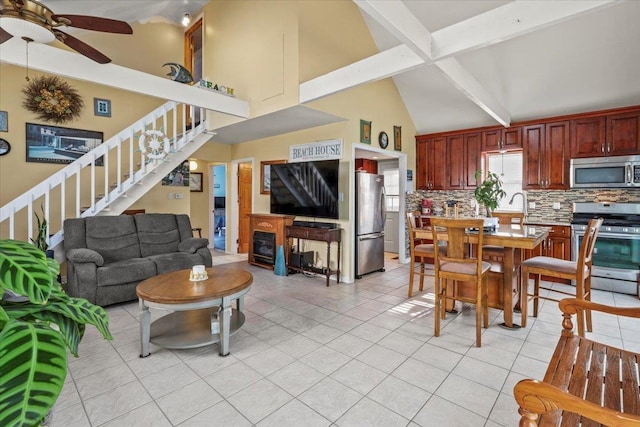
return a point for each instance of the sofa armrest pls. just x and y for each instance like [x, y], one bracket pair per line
[192, 244]
[84, 255]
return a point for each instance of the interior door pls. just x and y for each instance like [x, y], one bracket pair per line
[193, 43]
[245, 175]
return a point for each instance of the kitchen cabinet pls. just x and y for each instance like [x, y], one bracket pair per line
[623, 134]
[502, 139]
[606, 135]
[431, 157]
[463, 160]
[546, 156]
[371, 166]
[556, 245]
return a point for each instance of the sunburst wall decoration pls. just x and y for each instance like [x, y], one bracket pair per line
[52, 99]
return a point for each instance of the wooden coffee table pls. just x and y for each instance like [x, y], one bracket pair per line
[193, 304]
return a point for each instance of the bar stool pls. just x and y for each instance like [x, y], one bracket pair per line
[416, 249]
[456, 265]
[578, 271]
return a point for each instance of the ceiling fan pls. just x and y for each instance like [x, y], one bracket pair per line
[33, 21]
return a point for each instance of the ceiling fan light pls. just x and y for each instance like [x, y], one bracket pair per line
[20, 28]
[186, 19]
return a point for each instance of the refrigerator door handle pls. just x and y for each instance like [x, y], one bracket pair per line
[371, 236]
[383, 206]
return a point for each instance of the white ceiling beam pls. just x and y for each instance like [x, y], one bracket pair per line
[472, 89]
[507, 22]
[377, 67]
[70, 64]
[396, 18]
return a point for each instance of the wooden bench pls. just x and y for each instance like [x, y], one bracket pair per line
[587, 383]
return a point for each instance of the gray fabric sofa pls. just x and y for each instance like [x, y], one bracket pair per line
[107, 256]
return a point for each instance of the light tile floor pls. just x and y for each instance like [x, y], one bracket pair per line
[349, 355]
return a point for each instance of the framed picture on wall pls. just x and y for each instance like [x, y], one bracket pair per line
[365, 132]
[101, 107]
[265, 175]
[56, 144]
[397, 138]
[195, 182]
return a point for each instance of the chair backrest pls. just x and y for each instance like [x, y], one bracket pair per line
[413, 221]
[509, 217]
[456, 231]
[585, 255]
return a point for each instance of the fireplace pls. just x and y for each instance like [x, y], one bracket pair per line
[264, 247]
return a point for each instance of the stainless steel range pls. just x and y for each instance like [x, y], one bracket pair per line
[616, 258]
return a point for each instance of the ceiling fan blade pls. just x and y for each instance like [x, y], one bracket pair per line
[81, 47]
[4, 36]
[95, 23]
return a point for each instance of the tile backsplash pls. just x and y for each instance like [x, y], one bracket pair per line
[544, 200]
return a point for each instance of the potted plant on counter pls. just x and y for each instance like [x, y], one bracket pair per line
[38, 323]
[489, 192]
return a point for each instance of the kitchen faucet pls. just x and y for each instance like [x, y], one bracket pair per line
[524, 202]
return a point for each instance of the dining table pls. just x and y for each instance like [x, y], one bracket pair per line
[514, 238]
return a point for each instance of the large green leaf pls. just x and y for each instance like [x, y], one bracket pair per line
[25, 270]
[33, 366]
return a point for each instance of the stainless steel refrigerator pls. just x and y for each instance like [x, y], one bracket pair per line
[370, 218]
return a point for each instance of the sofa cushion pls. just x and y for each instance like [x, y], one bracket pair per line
[126, 271]
[158, 233]
[175, 261]
[113, 237]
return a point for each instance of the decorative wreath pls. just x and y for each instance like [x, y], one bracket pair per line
[154, 144]
[52, 99]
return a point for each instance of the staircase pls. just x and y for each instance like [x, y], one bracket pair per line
[133, 162]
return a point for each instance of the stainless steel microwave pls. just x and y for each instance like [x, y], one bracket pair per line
[605, 172]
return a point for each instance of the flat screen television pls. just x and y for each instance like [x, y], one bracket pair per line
[305, 189]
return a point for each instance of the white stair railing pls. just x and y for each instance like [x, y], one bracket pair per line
[157, 142]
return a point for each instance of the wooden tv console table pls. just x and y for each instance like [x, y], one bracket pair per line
[328, 235]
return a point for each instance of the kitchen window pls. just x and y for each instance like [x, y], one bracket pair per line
[392, 188]
[508, 166]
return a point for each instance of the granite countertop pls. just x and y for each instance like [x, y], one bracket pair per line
[551, 221]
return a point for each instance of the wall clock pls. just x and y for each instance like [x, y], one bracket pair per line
[383, 139]
[5, 147]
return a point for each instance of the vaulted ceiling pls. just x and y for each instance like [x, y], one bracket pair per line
[460, 64]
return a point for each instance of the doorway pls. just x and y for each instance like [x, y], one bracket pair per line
[399, 159]
[218, 226]
[245, 205]
[389, 168]
[193, 48]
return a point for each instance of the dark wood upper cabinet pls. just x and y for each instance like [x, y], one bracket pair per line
[606, 135]
[623, 134]
[502, 139]
[546, 164]
[456, 161]
[587, 137]
[557, 155]
[533, 145]
[431, 168]
[472, 144]
[371, 166]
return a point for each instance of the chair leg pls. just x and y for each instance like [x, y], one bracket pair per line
[479, 314]
[436, 322]
[485, 302]
[443, 305]
[580, 295]
[524, 297]
[411, 274]
[421, 274]
[536, 292]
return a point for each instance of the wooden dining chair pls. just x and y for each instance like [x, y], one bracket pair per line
[578, 271]
[417, 249]
[457, 265]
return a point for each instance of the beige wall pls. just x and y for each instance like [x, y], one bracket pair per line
[151, 46]
[263, 49]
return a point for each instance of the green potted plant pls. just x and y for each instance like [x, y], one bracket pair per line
[40, 240]
[38, 323]
[489, 192]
